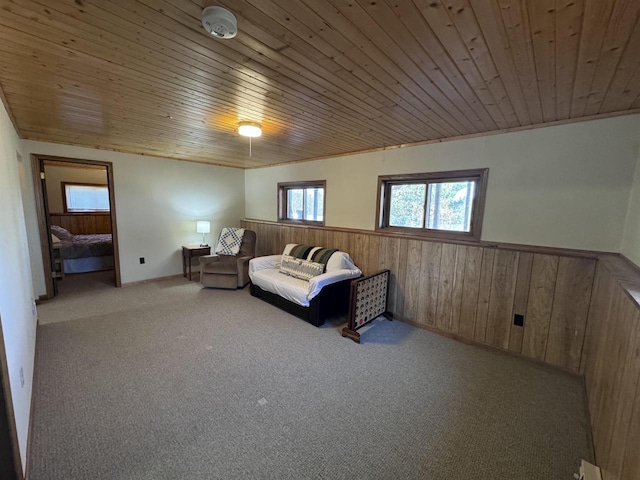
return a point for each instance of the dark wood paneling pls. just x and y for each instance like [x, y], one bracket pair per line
[468, 291]
[82, 224]
[611, 365]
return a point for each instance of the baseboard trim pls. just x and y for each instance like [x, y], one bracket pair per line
[31, 408]
[41, 298]
[491, 348]
[152, 280]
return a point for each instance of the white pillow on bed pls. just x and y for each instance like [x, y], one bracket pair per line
[60, 232]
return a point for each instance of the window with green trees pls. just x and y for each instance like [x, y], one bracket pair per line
[442, 204]
[301, 202]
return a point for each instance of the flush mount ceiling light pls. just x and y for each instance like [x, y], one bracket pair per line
[249, 129]
[219, 22]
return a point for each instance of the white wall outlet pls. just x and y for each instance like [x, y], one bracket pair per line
[21, 376]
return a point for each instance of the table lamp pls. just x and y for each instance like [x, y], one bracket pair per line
[203, 227]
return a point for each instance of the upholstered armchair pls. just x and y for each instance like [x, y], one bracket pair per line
[229, 271]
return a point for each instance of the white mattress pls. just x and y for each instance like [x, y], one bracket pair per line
[289, 288]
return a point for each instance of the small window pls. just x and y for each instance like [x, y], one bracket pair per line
[83, 197]
[441, 205]
[301, 202]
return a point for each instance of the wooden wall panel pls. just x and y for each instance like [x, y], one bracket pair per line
[429, 281]
[468, 291]
[542, 287]
[470, 288]
[412, 279]
[569, 314]
[82, 224]
[611, 364]
[503, 288]
[525, 264]
[484, 293]
[445, 287]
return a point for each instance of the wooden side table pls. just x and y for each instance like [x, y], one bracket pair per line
[189, 252]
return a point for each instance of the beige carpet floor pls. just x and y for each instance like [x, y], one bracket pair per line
[166, 381]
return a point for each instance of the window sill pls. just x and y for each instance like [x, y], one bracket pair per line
[302, 222]
[432, 234]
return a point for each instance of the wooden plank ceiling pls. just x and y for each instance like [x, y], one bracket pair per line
[322, 77]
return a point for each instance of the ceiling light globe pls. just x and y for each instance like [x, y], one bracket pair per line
[249, 129]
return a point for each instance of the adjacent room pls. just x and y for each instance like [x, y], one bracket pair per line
[295, 239]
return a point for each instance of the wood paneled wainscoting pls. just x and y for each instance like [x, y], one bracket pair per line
[611, 366]
[469, 291]
[581, 312]
[82, 223]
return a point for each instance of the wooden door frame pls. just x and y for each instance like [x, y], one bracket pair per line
[8, 410]
[37, 166]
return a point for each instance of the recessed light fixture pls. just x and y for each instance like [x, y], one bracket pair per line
[249, 129]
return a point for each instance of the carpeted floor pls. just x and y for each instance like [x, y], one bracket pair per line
[168, 381]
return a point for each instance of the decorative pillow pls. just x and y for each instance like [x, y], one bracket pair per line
[301, 269]
[61, 233]
[230, 241]
[312, 253]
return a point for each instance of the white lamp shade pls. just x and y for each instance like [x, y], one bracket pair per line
[249, 129]
[203, 226]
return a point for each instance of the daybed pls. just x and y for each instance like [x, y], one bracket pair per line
[84, 253]
[313, 300]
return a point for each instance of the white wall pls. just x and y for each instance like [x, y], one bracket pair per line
[16, 289]
[55, 175]
[631, 239]
[564, 186]
[157, 204]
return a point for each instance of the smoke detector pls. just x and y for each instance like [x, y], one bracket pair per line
[219, 22]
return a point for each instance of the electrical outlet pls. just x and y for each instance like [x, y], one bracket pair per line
[518, 320]
[141, 260]
[21, 376]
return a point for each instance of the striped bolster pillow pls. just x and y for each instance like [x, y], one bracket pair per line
[313, 254]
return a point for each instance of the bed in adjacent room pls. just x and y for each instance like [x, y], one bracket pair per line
[84, 253]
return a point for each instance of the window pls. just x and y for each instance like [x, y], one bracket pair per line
[441, 205]
[301, 202]
[84, 197]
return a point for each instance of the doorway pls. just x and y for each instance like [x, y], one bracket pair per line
[77, 220]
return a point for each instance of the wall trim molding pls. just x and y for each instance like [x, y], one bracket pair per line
[564, 252]
[491, 348]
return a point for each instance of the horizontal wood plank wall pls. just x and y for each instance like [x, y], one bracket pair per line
[611, 365]
[470, 292]
[82, 224]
